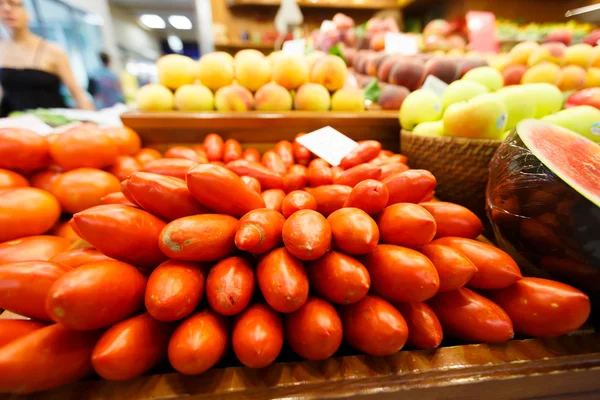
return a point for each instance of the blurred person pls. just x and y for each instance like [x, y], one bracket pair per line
[105, 86]
[32, 68]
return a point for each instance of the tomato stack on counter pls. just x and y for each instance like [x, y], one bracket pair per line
[214, 248]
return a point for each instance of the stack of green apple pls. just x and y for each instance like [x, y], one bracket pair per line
[479, 106]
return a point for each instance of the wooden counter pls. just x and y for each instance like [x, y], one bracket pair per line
[260, 129]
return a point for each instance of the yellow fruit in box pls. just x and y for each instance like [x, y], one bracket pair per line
[481, 117]
[175, 70]
[420, 106]
[154, 97]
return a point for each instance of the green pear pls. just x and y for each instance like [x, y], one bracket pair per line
[518, 106]
[420, 106]
[584, 120]
[487, 76]
[481, 117]
[462, 91]
[433, 128]
[547, 98]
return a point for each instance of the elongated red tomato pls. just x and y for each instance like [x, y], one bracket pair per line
[330, 197]
[32, 248]
[273, 198]
[230, 286]
[388, 170]
[77, 257]
[319, 175]
[213, 146]
[232, 150]
[272, 161]
[406, 224]
[296, 201]
[198, 343]
[45, 359]
[495, 268]
[424, 329]
[44, 179]
[336, 172]
[282, 280]
[370, 195]
[131, 347]
[175, 167]
[268, 179]
[468, 316]
[23, 150]
[252, 183]
[257, 336]
[285, 151]
[542, 307]
[295, 179]
[411, 186]
[222, 190]
[183, 152]
[259, 231]
[306, 235]
[454, 269]
[454, 220]
[206, 237]
[73, 299]
[145, 155]
[374, 326]
[82, 188]
[64, 230]
[353, 230]
[164, 196]
[400, 274]
[339, 278]
[26, 211]
[117, 198]
[301, 154]
[25, 286]
[125, 166]
[126, 139]
[174, 290]
[13, 329]
[123, 233]
[252, 154]
[365, 152]
[9, 179]
[355, 175]
[71, 149]
[314, 331]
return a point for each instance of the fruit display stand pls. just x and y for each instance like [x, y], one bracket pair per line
[260, 129]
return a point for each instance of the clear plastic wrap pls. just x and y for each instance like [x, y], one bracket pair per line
[546, 225]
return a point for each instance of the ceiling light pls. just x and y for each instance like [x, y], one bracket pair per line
[180, 22]
[175, 43]
[152, 21]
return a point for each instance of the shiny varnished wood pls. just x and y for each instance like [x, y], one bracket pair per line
[260, 129]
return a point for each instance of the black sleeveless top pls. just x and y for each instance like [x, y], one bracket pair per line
[29, 88]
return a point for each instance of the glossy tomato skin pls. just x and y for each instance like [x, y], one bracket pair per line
[400, 274]
[273, 198]
[64, 230]
[23, 150]
[374, 326]
[127, 140]
[27, 284]
[296, 201]
[393, 159]
[186, 153]
[339, 278]
[131, 347]
[206, 237]
[74, 299]
[469, 316]
[454, 220]
[319, 175]
[74, 258]
[222, 190]
[330, 197]
[230, 286]
[295, 179]
[213, 147]
[406, 224]
[370, 195]
[73, 148]
[424, 328]
[252, 154]
[10, 179]
[336, 172]
[257, 336]
[66, 359]
[146, 155]
[285, 151]
[232, 150]
[26, 211]
[268, 179]
[353, 176]
[411, 186]
[455, 270]
[174, 290]
[365, 152]
[44, 178]
[388, 170]
[272, 161]
[82, 188]
[542, 307]
[198, 343]
[175, 167]
[125, 166]
[314, 331]
[164, 196]
[123, 233]
[307, 235]
[354, 231]
[252, 183]
[301, 154]
[495, 268]
[117, 198]
[283, 281]
[259, 231]
[32, 248]
[13, 329]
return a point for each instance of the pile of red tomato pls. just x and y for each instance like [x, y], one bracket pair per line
[183, 256]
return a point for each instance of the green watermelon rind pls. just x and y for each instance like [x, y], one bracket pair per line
[528, 125]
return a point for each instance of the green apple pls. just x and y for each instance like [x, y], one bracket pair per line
[481, 117]
[461, 91]
[420, 106]
[518, 106]
[547, 98]
[584, 120]
[489, 77]
[433, 128]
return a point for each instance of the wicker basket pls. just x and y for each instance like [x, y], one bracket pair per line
[460, 166]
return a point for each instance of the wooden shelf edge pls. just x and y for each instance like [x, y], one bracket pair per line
[348, 4]
[245, 45]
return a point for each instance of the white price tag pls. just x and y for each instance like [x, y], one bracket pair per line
[328, 25]
[401, 43]
[30, 122]
[435, 84]
[329, 144]
[294, 47]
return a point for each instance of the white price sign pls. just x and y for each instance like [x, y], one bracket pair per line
[294, 47]
[401, 43]
[329, 144]
[435, 84]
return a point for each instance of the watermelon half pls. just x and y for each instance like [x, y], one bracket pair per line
[543, 199]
